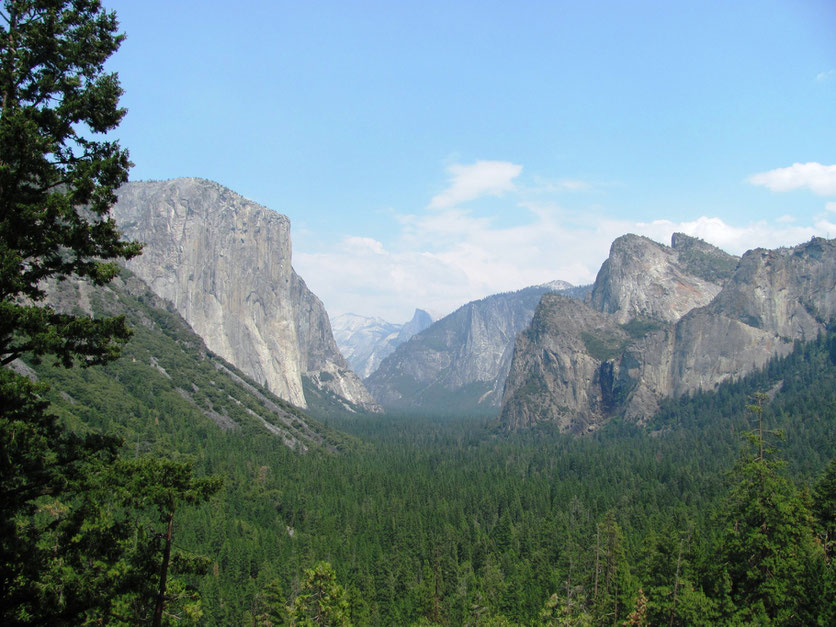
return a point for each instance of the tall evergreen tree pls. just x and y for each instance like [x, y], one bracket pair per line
[767, 548]
[321, 599]
[57, 184]
[159, 487]
[57, 181]
[825, 508]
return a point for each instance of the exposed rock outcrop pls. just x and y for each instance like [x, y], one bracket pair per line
[626, 365]
[460, 362]
[644, 279]
[556, 368]
[225, 264]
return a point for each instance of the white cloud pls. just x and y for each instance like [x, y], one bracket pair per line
[448, 258]
[364, 245]
[483, 178]
[445, 256]
[558, 186]
[738, 239]
[573, 185]
[823, 77]
[820, 179]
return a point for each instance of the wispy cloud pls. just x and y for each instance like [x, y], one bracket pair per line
[823, 77]
[445, 259]
[560, 185]
[446, 256]
[468, 182]
[818, 178]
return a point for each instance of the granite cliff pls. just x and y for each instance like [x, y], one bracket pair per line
[635, 342]
[225, 264]
[461, 361]
[644, 279]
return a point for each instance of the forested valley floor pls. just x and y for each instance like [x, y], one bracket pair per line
[457, 522]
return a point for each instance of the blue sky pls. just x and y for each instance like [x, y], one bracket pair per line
[430, 153]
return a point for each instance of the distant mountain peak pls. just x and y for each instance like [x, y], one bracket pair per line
[556, 285]
[366, 341]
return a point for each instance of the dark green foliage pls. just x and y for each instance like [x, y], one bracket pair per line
[153, 489]
[57, 183]
[604, 344]
[637, 328]
[49, 525]
[767, 545]
[446, 521]
[449, 521]
[824, 506]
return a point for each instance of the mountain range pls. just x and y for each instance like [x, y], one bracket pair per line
[659, 321]
[460, 362]
[664, 322]
[365, 341]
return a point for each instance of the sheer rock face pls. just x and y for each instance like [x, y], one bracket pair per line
[553, 376]
[644, 279]
[461, 361]
[772, 299]
[225, 264]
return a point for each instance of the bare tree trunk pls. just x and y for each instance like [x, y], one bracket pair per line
[597, 559]
[158, 610]
[676, 583]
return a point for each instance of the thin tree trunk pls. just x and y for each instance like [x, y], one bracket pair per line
[597, 559]
[158, 610]
[676, 583]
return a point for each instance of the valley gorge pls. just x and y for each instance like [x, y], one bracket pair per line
[225, 264]
[460, 362]
[659, 321]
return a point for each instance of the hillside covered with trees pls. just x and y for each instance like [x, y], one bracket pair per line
[143, 480]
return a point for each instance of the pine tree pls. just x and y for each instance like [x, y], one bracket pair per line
[159, 487]
[611, 573]
[321, 600]
[57, 184]
[767, 547]
[825, 508]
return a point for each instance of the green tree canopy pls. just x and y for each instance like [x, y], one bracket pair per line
[58, 174]
[767, 547]
[321, 600]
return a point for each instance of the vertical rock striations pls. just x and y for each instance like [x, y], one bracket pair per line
[225, 264]
[460, 362]
[633, 343]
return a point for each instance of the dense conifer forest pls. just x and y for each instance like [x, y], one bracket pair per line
[455, 521]
[141, 481]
